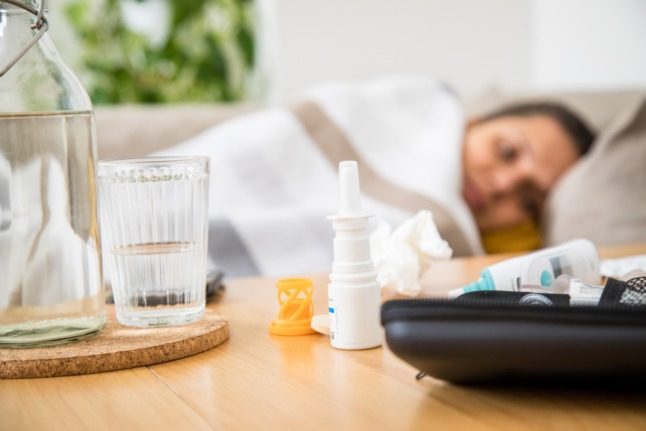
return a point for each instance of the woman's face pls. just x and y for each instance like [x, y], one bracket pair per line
[510, 164]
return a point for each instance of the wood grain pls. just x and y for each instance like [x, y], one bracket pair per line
[133, 399]
[260, 381]
[116, 347]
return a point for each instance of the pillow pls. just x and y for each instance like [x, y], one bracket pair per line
[603, 197]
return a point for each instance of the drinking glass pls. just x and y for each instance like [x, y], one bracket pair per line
[154, 229]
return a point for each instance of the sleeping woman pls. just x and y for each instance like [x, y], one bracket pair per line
[511, 160]
[485, 180]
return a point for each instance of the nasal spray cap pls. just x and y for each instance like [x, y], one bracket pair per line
[354, 296]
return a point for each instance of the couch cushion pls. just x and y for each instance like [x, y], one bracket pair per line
[126, 131]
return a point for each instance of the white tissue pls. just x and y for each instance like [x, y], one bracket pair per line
[621, 266]
[403, 255]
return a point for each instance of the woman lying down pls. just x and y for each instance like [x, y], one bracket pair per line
[274, 172]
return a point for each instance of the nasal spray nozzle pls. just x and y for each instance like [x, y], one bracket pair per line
[354, 295]
[349, 192]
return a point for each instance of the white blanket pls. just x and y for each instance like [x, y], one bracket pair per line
[274, 172]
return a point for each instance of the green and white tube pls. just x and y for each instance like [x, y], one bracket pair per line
[537, 271]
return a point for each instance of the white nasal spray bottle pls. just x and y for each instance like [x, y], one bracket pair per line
[354, 296]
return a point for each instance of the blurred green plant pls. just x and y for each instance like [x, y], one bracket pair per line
[206, 52]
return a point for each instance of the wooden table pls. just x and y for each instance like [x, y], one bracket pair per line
[258, 381]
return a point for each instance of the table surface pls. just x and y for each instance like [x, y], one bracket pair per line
[259, 381]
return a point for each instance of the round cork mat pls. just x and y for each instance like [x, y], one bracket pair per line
[116, 347]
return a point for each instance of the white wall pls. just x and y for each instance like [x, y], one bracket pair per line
[469, 43]
[472, 44]
[588, 44]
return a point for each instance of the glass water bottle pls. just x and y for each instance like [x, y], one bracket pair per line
[50, 269]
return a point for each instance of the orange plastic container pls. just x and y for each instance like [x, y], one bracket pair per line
[296, 309]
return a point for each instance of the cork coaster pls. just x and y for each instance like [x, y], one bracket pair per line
[116, 347]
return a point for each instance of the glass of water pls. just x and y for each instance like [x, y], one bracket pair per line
[154, 230]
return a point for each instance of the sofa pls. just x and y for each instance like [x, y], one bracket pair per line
[602, 198]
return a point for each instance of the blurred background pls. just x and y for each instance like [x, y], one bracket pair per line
[160, 51]
[163, 72]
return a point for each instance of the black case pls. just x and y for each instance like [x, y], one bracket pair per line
[467, 342]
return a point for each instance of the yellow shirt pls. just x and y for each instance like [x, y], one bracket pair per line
[522, 237]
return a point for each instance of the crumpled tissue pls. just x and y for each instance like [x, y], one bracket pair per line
[402, 255]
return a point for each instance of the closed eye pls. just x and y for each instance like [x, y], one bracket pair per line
[507, 151]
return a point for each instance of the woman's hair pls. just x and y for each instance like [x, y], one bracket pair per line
[573, 125]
